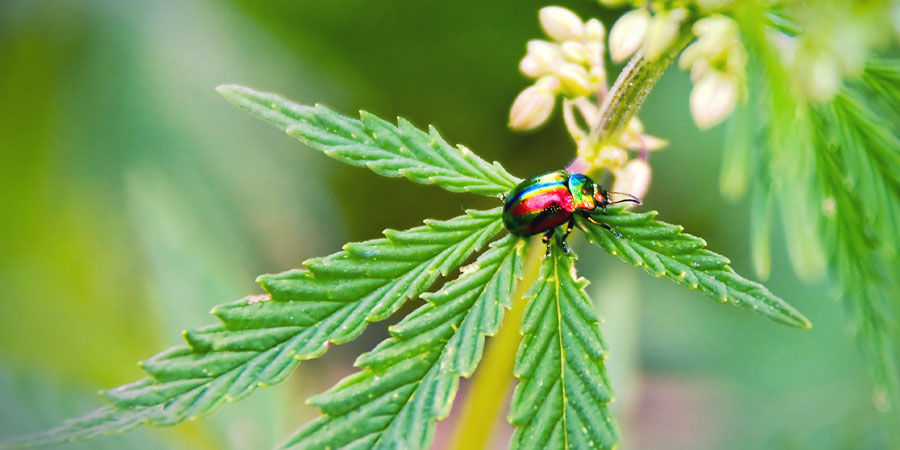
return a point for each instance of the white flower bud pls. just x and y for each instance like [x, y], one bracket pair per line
[560, 24]
[627, 34]
[546, 55]
[575, 52]
[597, 78]
[576, 81]
[633, 179]
[661, 32]
[610, 157]
[594, 31]
[533, 105]
[713, 98]
[700, 68]
[530, 66]
[690, 55]
[594, 51]
[717, 26]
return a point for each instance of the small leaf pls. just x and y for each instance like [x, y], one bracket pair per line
[409, 381]
[386, 149]
[261, 339]
[663, 250]
[561, 400]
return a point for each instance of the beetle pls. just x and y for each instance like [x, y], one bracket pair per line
[543, 202]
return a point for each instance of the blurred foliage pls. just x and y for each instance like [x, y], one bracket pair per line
[127, 184]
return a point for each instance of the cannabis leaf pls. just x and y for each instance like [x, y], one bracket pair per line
[388, 150]
[409, 381]
[261, 339]
[662, 249]
[859, 166]
[561, 399]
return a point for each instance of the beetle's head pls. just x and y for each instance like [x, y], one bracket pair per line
[601, 197]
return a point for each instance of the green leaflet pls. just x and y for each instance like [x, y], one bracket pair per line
[386, 149]
[859, 167]
[261, 339]
[409, 381]
[663, 250]
[561, 400]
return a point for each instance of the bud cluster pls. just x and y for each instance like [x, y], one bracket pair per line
[717, 61]
[570, 64]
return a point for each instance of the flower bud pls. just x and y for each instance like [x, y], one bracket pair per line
[575, 52]
[576, 81]
[713, 98]
[560, 24]
[661, 32]
[530, 66]
[633, 179]
[533, 105]
[627, 34]
[597, 78]
[718, 26]
[594, 31]
[610, 157]
[546, 55]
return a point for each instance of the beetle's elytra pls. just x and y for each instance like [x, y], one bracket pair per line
[543, 202]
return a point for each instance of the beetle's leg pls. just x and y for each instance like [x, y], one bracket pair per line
[503, 198]
[546, 240]
[569, 227]
[604, 225]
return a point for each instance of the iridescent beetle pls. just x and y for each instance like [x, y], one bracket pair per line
[543, 202]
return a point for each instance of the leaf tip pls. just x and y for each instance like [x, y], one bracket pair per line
[229, 91]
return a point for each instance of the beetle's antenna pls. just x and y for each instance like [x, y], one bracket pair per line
[631, 198]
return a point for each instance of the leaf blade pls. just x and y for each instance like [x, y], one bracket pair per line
[261, 339]
[386, 149]
[663, 250]
[562, 396]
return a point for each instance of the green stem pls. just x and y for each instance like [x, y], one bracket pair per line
[631, 89]
[490, 387]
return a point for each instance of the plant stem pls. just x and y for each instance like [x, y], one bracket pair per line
[631, 89]
[491, 384]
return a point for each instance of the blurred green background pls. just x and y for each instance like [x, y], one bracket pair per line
[134, 199]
